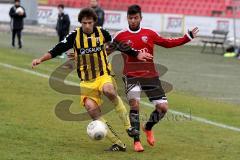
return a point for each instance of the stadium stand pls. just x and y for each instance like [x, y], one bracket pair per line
[220, 8]
[6, 1]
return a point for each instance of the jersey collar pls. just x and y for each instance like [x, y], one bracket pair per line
[137, 31]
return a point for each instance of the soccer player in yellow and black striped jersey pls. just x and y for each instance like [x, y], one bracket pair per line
[89, 44]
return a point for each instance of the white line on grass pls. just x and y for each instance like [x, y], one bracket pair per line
[210, 75]
[34, 73]
[199, 119]
[203, 120]
[51, 70]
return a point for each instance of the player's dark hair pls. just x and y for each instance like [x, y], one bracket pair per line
[88, 13]
[134, 9]
[61, 6]
[17, 1]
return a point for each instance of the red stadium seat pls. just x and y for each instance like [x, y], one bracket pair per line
[188, 7]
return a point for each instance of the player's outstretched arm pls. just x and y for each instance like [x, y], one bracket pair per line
[174, 42]
[60, 48]
[38, 61]
[193, 33]
[115, 45]
[126, 49]
[144, 56]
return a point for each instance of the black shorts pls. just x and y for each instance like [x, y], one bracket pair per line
[152, 87]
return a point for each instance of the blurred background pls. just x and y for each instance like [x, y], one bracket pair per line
[165, 16]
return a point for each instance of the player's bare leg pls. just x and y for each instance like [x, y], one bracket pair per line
[155, 117]
[109, 91]
[92, 108]
[95, 113]
[135, 122]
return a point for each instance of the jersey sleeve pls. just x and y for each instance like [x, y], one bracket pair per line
[116, 36]
[107, 36]
[170, 42]
[12, 12]
[24, 13]
[64, 45]
[117, 45]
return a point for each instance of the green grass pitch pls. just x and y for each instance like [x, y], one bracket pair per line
[205, 86]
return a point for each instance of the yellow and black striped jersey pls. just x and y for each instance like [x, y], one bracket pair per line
[90, 52]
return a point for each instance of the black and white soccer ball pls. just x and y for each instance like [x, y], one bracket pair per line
[97, 130]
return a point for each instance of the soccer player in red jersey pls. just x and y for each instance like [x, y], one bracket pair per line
[142, 76]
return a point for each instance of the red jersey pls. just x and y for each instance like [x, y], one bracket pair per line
[144, 39]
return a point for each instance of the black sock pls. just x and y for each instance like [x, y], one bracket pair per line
[154, 118]
[134, 120]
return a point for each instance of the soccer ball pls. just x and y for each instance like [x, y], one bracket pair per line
[19, 10]
[97, 130]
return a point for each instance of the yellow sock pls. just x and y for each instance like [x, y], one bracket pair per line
[111, 134]
[122, 112]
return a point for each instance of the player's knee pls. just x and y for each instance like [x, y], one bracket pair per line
[89, 105]
[110, 93]
[134, 104]
[92, 109]
[162, 107]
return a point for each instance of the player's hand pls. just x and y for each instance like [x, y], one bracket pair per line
[193, 33]
[71, 56]
[143, 55]
[36, 62]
